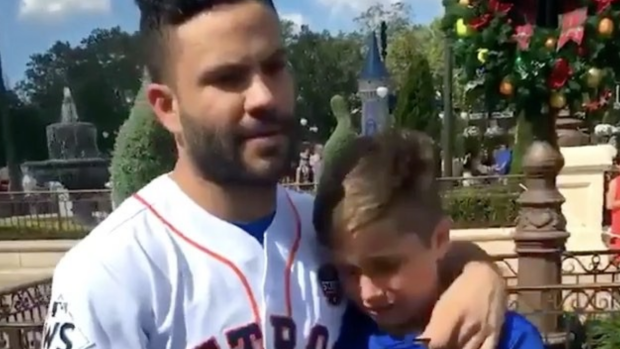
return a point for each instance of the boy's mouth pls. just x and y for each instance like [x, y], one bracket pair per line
[378, 312]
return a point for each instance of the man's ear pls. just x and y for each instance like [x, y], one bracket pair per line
[441, 238]
[164, 103]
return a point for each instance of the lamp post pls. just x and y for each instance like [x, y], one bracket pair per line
[540, 233]
[15, 182]
[447, 136]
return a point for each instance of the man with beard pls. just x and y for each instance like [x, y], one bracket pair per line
[387, 234]
[215, 254]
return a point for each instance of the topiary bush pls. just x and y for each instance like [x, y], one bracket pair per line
[344, 131]
[143, 149]
[415, 107]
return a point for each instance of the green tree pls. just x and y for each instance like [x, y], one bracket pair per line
[415, 108]
[143, 149]
[103, 71]
[323, 65]
[402, 37]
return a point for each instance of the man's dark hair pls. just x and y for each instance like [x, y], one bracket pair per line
[156, 16]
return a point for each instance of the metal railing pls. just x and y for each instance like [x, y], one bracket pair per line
[51, 215]
[481, 202]
[590, 299]
[22, 313]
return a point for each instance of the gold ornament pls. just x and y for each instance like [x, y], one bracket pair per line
[506, 88]
[594, 77]
[606, 27]
[557, 100]
[462, 29]
[483, 54]
[464, 2]
[550, 43]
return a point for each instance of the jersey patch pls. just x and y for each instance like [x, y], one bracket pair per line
[60, 330]
[330, 284]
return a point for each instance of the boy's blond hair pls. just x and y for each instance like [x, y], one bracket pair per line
[373, 177]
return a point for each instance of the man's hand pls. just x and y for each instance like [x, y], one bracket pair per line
[470, 313]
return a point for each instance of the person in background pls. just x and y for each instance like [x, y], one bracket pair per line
[380, 216]
[316, 161]
[473, 167]
[612, 203]
[502, 160]
[303, 173]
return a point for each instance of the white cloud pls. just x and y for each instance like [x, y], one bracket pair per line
[297, 19]
[60, 8]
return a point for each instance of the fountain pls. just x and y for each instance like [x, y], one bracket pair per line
[74, 157]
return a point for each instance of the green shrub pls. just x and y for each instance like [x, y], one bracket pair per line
[482, 207]
[143, 149]
[604, 333]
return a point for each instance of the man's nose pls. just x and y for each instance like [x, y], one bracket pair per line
[370, 292]
[259, 95]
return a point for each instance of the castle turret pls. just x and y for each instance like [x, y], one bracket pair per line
[373, 88]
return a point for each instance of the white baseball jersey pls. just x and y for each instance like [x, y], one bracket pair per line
[160, 272]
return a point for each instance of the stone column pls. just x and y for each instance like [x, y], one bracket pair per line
[540, 235]
[568, 130]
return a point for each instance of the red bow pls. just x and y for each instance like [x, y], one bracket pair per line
[499, 7]
[602, 5]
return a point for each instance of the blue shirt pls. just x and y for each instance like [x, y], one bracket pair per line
[360, 332]
[258, 227]
[503, 158]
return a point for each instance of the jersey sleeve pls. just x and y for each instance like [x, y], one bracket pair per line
[90, 308]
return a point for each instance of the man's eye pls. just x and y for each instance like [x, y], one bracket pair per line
[231, 78]
[274, 67]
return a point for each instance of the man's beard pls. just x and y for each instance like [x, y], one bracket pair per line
[217, 154]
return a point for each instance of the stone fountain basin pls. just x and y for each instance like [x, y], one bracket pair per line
[74, 174]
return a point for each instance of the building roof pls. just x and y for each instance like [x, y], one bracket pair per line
[373, 68]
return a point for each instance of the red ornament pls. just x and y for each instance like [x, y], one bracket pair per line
[560, 74]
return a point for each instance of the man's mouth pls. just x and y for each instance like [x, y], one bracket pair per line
[266, 133]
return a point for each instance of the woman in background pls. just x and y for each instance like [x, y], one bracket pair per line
[612, 202]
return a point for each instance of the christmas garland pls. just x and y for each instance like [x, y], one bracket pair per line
[504, 52]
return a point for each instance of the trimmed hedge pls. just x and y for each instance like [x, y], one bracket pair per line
[41, 228]
[143, 149]
[491, 207]
[482, 207]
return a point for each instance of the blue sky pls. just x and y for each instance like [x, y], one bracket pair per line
[31, 26]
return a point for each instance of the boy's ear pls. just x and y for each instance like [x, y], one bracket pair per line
[441, 238]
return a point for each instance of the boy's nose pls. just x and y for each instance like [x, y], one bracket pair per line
[371, 294]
